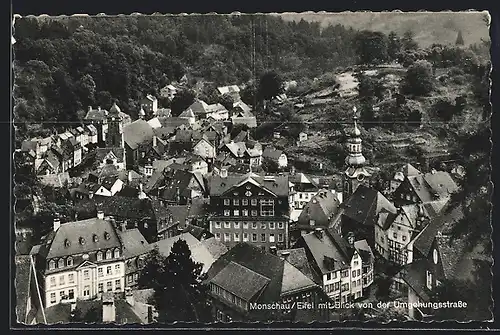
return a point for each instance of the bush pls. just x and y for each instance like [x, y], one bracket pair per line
[419, 79]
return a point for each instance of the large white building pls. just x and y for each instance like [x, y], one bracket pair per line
[79, 261]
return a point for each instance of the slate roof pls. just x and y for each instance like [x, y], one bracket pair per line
[179, 180]
[27, 146]
[101, 153]
[219, 186]
[134, 243]
[302, 183]
[298, 258]
[96, 114]
[242, 106]
[451, 253]
[173, 122]
[22, 285]
[215, 247]
[364, 250]
[433, 185]
[409, 170]
[415, 276]
[320, 208]
[137, 133]
[199, 107]
[268, 272]
[330, 252]
[250, 121]
[365, 204]
[126, 207]
[54, 245]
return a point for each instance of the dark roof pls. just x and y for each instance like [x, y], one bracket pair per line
[253, 262]
[108, 170]
[298, 258]
[137, 133]
[277, 185]
[134, 243]
[179, 213]
[241, 136]
[330, 251]
[178, 181]
[365, 204]
[101, 154]
[173, 122]
[22, 284]
[128, 191]
[423, 241]
[271, 153]
[27, 146]
[52, 159]
[320, 208]
[451, 252]
[414, 274]
[125, 207]
[55, 244]
[432, 185]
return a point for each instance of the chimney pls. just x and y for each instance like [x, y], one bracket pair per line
[319, 232]
[223, 173]
[108, 307]
[123, 226]
[129, 177]
[350, 238]
[100, 215]
[129, 296]
[154, 141]
[56, 222]
[285, 254]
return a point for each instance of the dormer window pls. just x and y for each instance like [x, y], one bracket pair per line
[52, 265]
[69, 261]
[108, 254]
[60, 263]
[95, 238]
[67, 243]
[99, 256]
[82, 241]
[117, 253]
[107, 236]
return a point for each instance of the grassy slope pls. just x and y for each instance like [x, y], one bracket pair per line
[429, 28]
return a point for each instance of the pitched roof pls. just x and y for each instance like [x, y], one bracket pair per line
[173, 122]
[320, 208]
[178, 181]
[277, 185]
[127, 207]
[451, 253]
[199, 107]
[27, 146]
[101, 154]
[364, 250]
[298, 258]
[56, 243]
[330, 252]
[137, 133]
[365, 204]
[96, 114]
[22, 285]
[154, 123]
[233, 275]
[215, 247]
[242, 106]
[414, 274]
[228, 89]
[409, 170]
[187, 113]
[433, 185]
[134, 243]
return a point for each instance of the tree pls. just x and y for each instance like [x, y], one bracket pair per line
[270, 166]
[181, 101]
[408, 41]
[92, 315]
[270, 86]
[227, 101]
[371, 47]
[394, 46]
[179, 291]
[460, 39]
[419, 80]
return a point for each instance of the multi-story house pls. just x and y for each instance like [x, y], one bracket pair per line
[345, 268]
[233, 91]
[205, 149]
[135, 249]
[79, 260]
[245, 276]
[138, 137]
[275, 155]
[250, 208]
[304, 188]
[249, 152]
[150, 105]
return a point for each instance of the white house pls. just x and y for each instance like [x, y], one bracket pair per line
[205, 149]
[110, 187]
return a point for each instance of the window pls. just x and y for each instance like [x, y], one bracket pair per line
[254, 237]
[53, 298]
[71, 278]
[99, 256]
[356, 263]
[108, 270]
[328, 276]
[334, 274]
[100, 288]
[244, 212]
[217, 236]
[117, 253]
[254, 202]
[345, 287]
[227, 225]
[280, 237]
[359, 272]
[117, 268]
[236, 212]
[236, 237]
[227, 237]
[429, 280]
[404, 238]
[263, 225]
[100, 272]
[86, 291]
[108, 254]
[280, 225]
[61, 280]
[86, 274]
[136, 276]
[312, 222]
[254, 212]
[254, 225]
[52, 265]
[217, 225]
[227, 202]
[395, 235]
[71, 294]
[271, 238]
[354, 273]
[267, 207]
[227, 212]
[109, 286]
[354, 284]
[245, 237]
[52, 281]
[245, 225]
[272, 225]
[244, 202]
[344, 273]
[263, 237]
[236, 202]
[118, 285]
[70, 261]
[359, 282]
[337, 286]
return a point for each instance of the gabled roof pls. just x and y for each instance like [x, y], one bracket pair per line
[409, 170]
[228, 89]
[276, 185]
[414, 274]
[199, 107]
[433, 185]
[154, 123]
[178, 181]
[173, 122]
[320, 208]
[298, 258]
[187, 113]
[365, 204]
[27, 146]
[134, 243]
[101, 153]
[364, 250]
[242, 107]
[137, 133]
[451, 253]
[55, 245]
[246, 119]
[96, 114]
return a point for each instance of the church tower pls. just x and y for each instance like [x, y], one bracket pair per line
[114, 137]
[355, 173]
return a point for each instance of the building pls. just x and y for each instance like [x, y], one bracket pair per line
[137, 137]
[250, 208]
[79, 261]
[345, 268]
[205, 149]
[302, 137]
[303, 189]
[26, 291]
[244, 116]
[135, 247]
[249, 152]
[355, 173]
[275, 155]
[233, 91]
[112, 155]
[98, 118]
[406, 171]
[245, 276]
[150, 105]
[168, 92]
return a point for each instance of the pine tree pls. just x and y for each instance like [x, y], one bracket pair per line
[460, 39]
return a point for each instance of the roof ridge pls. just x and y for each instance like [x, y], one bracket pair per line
[247, 268]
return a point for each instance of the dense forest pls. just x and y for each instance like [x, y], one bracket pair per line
[63, 65]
